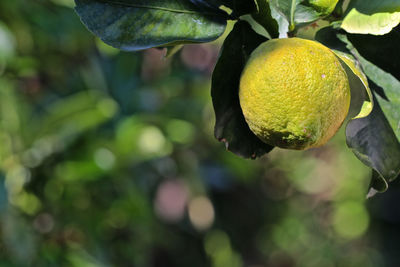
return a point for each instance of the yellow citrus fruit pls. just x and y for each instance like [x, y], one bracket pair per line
[294, 93]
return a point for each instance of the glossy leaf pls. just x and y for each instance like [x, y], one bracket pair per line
[391, 89]
[370, 7]
[375, 144]
[372, 138]
[378, 23]
[371, 16]
[295, 12]
[230, 126]
[139, 24]
[377, 184]
[380, 50]
[326, 7]
[371, 135]
[264, 17]
[283, 23]
[287, 8]
[305, 14]
[389, 97]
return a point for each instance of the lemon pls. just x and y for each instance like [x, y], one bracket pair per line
[294, 93]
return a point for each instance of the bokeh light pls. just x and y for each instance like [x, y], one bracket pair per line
[218, 247]
[201, 212]
[350, 219]
[171, 200]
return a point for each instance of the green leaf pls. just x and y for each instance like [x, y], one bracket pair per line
[378, 24]
[283, 23]
[373, 138]
[370, 134]
[230, 126]
[324, 6]
[287, 8]
[328, 37]
[370, 7]
[380, 50]
[140, 24]
[295, 12]
[389, 98]
[264, 17]
[391, 89]
[377, 184]
[305, 14]
[372, 17]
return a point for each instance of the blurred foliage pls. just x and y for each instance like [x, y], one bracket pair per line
[108, 159]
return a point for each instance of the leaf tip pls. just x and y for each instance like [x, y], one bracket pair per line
[372, 192]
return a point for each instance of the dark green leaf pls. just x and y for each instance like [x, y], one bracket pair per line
[370, 7]
[139, 24]
[264, 18]
[380, 50]
[372, 138]
[390, 90]
[375, 144]
[230, 126]
[390, 100]
[377, 184]
[328, 37]
[339, 11]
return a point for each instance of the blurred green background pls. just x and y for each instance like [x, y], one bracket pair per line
[108, 159]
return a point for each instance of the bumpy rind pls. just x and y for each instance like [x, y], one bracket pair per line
[294, 93]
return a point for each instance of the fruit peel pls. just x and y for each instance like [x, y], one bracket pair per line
[294, 93]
